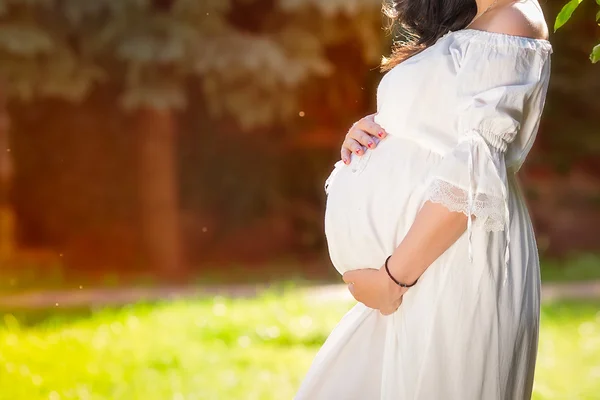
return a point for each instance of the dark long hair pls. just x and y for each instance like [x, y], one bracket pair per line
[422, 22]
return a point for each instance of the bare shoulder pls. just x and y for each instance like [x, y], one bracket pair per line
[520, 18]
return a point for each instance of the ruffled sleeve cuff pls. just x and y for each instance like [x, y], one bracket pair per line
[471, 179]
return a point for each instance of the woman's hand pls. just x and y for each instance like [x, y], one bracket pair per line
[362, 133]
[375, 289]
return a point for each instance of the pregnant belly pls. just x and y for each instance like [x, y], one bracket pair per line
[372, 202]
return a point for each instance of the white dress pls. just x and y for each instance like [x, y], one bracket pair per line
[461, 116]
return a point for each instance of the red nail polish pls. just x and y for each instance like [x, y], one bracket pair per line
[345, 161]
[381, 134]
[370, 144]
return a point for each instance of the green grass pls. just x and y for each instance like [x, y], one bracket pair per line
[569, 354]
[231, 349]
[583, 267]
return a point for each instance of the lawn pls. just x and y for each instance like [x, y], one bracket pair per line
[231, 349]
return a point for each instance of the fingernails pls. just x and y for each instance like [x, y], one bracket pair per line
[381, 134]
[370, 144]
[345, 161]
[358, 151]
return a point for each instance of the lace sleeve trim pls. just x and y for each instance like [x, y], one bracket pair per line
[487, 211]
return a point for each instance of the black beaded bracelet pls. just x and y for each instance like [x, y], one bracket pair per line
[404, 285]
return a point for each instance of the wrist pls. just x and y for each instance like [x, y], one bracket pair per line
[395, 291]
[401, 280]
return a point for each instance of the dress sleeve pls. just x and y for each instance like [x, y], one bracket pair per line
[493, 87]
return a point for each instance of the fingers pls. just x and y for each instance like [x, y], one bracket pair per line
[362, 137]
[345, 155]
[370, 127]
[351, 289]
[349, 277]
[391, 309]
[353, 146]
[387, 312]
[364, 134]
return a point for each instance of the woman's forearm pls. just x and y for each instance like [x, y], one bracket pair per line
[435, 229]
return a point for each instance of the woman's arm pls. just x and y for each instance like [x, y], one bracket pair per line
[434, 230]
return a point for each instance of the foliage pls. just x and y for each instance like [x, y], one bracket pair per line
[595, 57]
[566, 13]
[234, 349]
[564, 16]
[37, 58]
[152, 49]
[585, 267]
[250, 58]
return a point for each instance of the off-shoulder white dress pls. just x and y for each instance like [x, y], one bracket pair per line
[462, 116]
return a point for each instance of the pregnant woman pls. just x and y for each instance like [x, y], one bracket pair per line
[425, 218]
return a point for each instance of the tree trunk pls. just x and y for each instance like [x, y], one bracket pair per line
[159, 211]
[7, 215]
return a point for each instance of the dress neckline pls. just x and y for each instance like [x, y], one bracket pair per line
[504, 38]
[506, 35]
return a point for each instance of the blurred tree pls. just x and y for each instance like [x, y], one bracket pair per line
[153, 53]
[258, 65]
[37, 60]
[40, 53]
[250, 57]
[7, 218]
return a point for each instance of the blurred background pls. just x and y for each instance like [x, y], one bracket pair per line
[161, 194]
